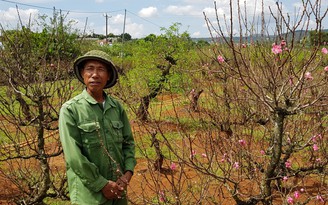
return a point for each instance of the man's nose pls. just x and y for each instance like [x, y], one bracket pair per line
[95, 72]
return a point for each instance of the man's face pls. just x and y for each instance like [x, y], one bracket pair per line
[95, 75]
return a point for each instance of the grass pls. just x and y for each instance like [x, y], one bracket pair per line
[52, 201]
[145, 150]
[164, 111]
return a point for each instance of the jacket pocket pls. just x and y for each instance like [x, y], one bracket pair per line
[90, 133]
[118, 131]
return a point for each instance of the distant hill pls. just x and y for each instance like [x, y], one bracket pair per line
[299, 34]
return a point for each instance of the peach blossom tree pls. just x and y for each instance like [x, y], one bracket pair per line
[274, 92]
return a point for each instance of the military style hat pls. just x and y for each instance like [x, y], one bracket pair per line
[100, 56]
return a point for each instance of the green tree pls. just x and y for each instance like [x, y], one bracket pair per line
[156, 62]
[126, 36]
[150, 37]
[318, 37]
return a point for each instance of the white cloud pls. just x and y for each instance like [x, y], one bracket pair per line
[99, 1]
[119, 19]
[115, 26]
[148, 12]
[249, 9]
[11, 17]
[135, 30]
[196, 34]
[253, 8]
[180, 10]
[210, 12]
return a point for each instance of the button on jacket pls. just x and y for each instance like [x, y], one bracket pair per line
[98, 146]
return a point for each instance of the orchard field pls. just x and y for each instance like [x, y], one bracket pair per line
[241, 119]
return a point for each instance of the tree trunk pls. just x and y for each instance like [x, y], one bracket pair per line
[142, 113]
[278, 118]
[194, 96]
[159, 156]
[40, 192]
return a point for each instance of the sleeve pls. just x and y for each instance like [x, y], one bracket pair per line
[128, 144]
[75, 160]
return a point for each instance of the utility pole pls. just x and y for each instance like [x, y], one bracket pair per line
[123, 35]
[124, 26]
[263, 22]
[106, 16]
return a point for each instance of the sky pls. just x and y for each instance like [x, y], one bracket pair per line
[144, 17]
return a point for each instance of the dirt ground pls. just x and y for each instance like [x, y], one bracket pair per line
[137, 188]
[144, 173]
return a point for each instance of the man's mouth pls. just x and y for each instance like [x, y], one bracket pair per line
[94, 83]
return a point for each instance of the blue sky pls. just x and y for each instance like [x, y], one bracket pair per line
[143, 17]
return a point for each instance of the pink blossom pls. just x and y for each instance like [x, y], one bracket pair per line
[276, 49]
[302, 189]
[324, 50]
[236, 165]
[283, 43]
[318, 159]
[52, 65]
[262, 152]
[297, 194]
[242, 142]
[290, 200]
[308, 76]
[204, 155]
[315, 147]
[220, 59]
[173, 166]
[193, 154]
[326, 68]
[288, 164]
[285, 178]
[316, 137]
[224, 157]
[243, 45]
[319, 198]
[161, 196]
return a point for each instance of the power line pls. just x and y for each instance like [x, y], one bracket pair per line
[81, 12]
[39, 7]
[145, 19]
[70, 11]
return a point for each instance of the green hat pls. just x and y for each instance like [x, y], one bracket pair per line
[100, 56]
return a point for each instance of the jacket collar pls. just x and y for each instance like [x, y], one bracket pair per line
[91, 100]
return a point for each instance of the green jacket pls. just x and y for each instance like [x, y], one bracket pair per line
[98, 146]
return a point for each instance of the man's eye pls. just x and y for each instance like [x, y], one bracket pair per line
[102, 69]
[88, 68]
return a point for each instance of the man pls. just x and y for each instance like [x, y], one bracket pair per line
[96, 136]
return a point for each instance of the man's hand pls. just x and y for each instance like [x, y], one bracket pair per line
[124, 180]
[112, 190]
